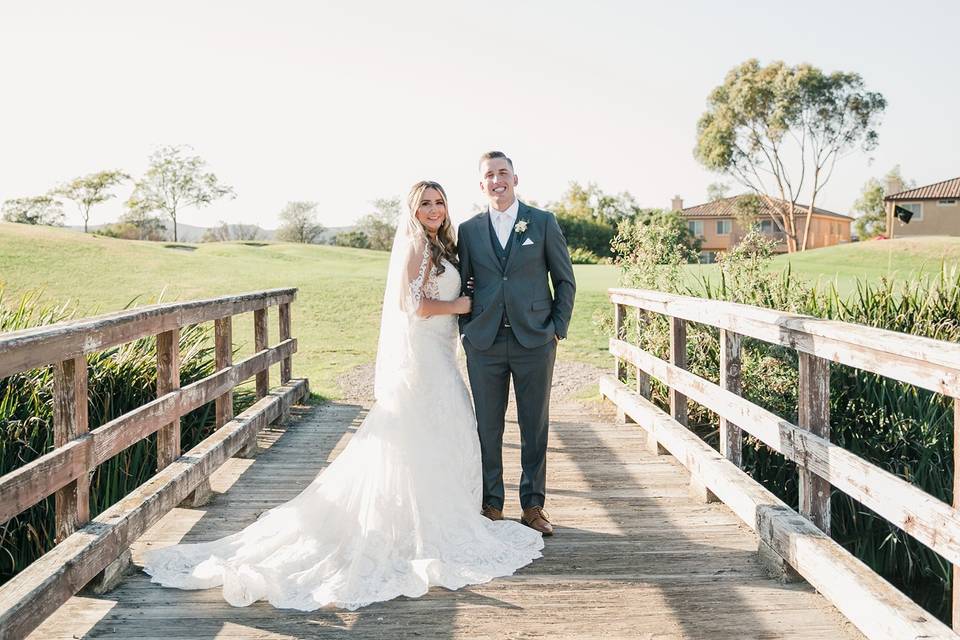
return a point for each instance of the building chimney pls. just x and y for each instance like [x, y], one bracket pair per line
[676, 204]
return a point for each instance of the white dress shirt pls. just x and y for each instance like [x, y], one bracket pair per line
[503, 222]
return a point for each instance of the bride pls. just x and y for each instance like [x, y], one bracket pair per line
[398, 511]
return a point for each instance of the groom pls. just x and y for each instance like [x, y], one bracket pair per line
[513, 330]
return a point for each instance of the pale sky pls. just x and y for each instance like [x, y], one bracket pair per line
[344, 102]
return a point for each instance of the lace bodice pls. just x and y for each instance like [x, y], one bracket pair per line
[433, 285]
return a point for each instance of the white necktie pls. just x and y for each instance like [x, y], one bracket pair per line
[503, 233]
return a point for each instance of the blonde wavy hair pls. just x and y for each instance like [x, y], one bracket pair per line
[444, 244]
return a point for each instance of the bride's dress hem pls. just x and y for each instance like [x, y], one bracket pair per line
[304, 602]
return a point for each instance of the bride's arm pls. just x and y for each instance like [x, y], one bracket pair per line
[430, 307]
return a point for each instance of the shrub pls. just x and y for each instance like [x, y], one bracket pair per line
[589, 234]
[585, 256]
[355, 239]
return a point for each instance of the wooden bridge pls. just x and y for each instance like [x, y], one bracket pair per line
[648, 545]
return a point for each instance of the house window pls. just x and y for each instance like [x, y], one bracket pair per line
[947, 203]
[696, 227]
[723, 227]
[766, 226]
[708, 257]
[916, 208]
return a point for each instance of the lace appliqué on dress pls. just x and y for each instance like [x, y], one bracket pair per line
[425, 284]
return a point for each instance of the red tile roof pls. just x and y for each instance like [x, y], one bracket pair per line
[947, 189]
[726, 208]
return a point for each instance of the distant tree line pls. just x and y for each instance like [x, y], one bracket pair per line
[175, 179]
[591, 219]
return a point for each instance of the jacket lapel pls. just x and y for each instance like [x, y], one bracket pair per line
[523, 213]
[484, 235]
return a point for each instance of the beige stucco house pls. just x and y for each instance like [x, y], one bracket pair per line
[934, 210]
[716, 225]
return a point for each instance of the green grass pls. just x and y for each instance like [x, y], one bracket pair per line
[336, 317]
[843, 265]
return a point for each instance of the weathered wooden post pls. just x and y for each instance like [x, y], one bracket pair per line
[620, 367]
[260, 340]
[70, 421]
[286, 365]
[678, 357]
[814, 416]
[956, 505]
[168, 379]
[643, 378]
[223, 338]
[731, 441]
[645, 391]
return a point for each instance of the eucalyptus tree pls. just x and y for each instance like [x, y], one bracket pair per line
[380, 226]
[717, 191]
[89, 190]
[298, 222]
[176, 179]
[780, 130]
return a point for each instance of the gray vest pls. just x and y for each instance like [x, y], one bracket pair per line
[502, 255]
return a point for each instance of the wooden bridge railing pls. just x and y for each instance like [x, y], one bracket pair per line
[800, 540]
[97, 551]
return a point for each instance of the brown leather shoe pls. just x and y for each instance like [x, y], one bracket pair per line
[492, 513]
[536, 518]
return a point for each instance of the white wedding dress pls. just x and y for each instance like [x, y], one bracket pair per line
[398, 511]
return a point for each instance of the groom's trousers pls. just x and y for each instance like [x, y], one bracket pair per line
[490, 371]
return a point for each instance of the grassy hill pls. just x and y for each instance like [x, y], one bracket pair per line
[336, 316]
[843, 265]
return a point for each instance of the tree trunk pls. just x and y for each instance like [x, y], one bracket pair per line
[806, 227]
[791, 221]
[813, 200]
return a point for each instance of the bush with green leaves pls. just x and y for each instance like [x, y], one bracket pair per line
[585, 256]
[903, 429]
[354, 239]
[121, 379]
[588, 234]
[652, 249]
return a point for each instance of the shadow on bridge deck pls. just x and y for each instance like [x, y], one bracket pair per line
[633, 556]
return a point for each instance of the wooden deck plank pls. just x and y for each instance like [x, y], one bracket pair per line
[633, 555]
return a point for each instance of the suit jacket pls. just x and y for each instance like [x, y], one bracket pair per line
[520, 288]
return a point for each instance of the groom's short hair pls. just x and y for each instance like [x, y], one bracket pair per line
[490, 155]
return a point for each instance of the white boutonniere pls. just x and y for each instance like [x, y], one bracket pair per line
[521, 226]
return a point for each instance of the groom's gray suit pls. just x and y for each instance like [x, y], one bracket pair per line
[513, 329]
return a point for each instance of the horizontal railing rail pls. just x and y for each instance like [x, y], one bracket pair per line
[931, 364]
[31, 348]
[85, 549]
